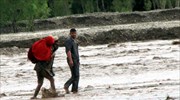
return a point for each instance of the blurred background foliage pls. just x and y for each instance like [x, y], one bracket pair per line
[13, 11]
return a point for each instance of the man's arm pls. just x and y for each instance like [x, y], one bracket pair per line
[70, 58]
[68, 45]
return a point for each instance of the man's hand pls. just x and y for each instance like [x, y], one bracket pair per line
[53, 54]
[71, 64]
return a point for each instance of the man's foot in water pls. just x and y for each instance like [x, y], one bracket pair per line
[75, 92]
[66, 90]
[33, 97]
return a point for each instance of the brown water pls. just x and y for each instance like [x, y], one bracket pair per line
[136, 71]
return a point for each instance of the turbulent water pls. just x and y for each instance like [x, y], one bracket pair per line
[132, 70]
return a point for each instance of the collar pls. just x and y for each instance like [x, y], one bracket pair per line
[72, 39]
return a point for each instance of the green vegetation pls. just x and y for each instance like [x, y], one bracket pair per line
[13, 11]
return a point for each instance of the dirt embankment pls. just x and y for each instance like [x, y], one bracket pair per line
[101, 34]
[97, 19]
[138, 28]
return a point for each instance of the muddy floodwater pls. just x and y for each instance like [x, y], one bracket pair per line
[124, 71]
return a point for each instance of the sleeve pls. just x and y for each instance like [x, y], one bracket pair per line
[55, 46]
[68, 45]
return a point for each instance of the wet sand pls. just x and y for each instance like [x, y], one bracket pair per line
[136, 71]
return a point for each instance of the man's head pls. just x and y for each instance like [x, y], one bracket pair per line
[73, 33]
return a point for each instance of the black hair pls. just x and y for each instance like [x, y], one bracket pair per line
[73, 30]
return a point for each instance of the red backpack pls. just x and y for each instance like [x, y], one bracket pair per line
[31, 56]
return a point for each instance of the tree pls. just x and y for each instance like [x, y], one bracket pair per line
[122, 5]
[175, 3]
[13, 11]
[108, 5]
[89, 6]
[168, 4]
[35, 9]
[51, 4]
[138, 5]
[147, 5]
[102, 3]
[97, 6]
[61, 7]
[76, 7]
[162, 4]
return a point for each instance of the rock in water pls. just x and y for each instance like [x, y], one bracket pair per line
[89, 87]
[2, 94]
[48, 93]
[111, 45]
[169, 98]
[176, 42]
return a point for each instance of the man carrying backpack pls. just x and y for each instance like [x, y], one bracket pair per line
[42, 54]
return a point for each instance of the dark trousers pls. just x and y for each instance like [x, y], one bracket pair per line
[74, 80]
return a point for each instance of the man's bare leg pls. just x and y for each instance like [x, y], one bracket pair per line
[51, 79]
[66, 90]
[40, 83]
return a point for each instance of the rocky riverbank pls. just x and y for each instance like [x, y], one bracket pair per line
[97, 19]
[100, 34]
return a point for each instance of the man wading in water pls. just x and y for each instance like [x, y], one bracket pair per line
[42, 54]
[73, 62]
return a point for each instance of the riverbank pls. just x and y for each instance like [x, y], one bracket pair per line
[96, 19]
[100, 35]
